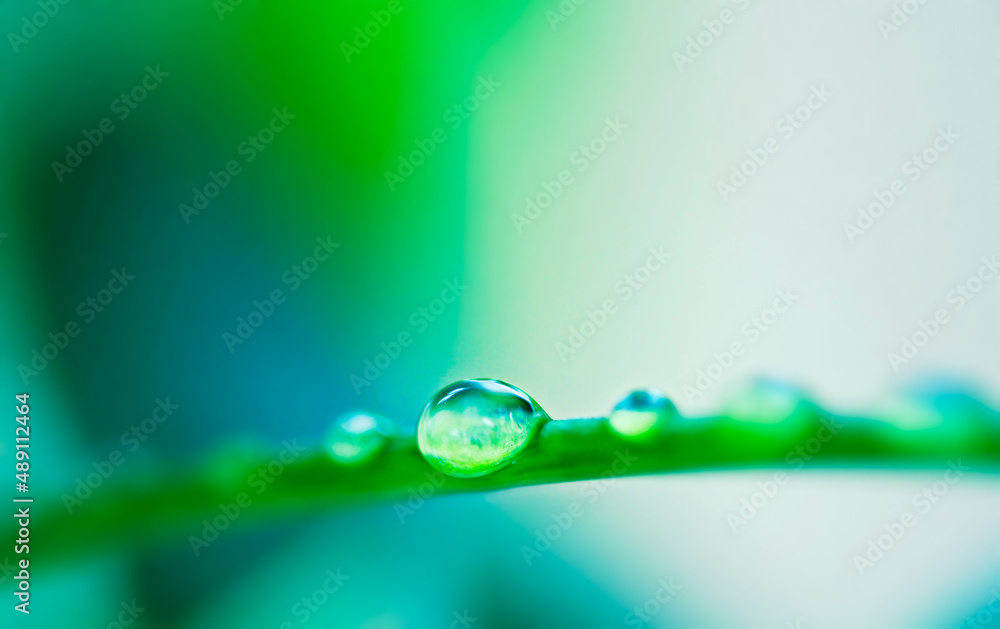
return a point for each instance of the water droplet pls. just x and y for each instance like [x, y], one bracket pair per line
[474, 427]
[954, 417]
[357, 436]
[908, 413]
[642, 413]
[766, 401]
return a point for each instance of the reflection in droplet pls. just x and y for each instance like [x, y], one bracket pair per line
[641, 413]
[474, 427]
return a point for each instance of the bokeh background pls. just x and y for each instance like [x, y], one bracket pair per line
[628, 124]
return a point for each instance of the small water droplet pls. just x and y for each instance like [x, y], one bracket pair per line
[642, 413]
[474, 427]
[952, 416]
[767, 401]
[908, 413]
[357, 436]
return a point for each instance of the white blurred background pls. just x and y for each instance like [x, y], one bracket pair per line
[890, 92]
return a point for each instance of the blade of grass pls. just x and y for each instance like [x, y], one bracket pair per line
[175, 506]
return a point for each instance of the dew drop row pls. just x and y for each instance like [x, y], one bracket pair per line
[474, 427]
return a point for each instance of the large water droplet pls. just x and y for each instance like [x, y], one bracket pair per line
[357, 436]
[642, 413]
[474, 427]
